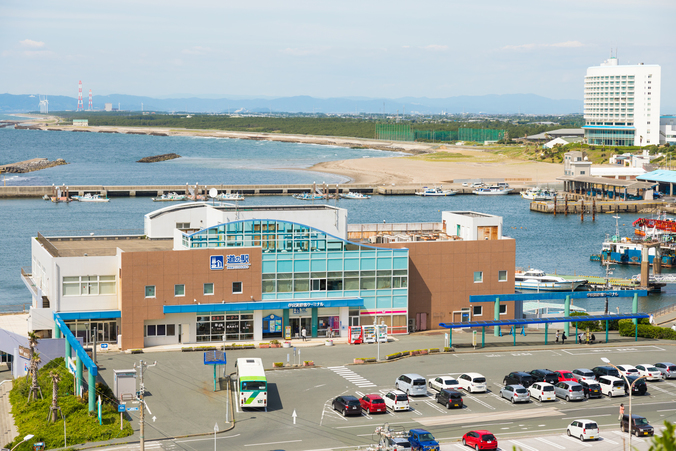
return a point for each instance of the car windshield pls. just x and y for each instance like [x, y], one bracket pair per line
[456, 396]
[419, 382]
[402, 397]
[651, 368]
[547, 388]
[479, 380]
[488, 437]
[426, 437]
[566, 375]
[591, 426]
[618, 383]
[594, 387]
[451, 382]
[640, 421]
[253, 385]
[353, 402]
[576, 387]
[587, 373]
[521, 390]
[672, 368]
[377, 401]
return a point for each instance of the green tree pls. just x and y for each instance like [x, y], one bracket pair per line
[666, 441]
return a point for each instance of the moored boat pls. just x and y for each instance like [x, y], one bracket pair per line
[308, 196]
[538, 194]
[354, 195]
[230, 197]
[169, 197]
[88, 197]
[492, 191]
[535, 279]
[435, 191]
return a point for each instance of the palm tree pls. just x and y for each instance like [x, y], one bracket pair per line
[35, 361]
[55, 388]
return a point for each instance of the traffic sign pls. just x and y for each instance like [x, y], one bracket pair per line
[104, 345]
[121, 407]
[132, 409]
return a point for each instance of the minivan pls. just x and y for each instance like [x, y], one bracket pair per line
[570, 391]
[449, 398]
[591, 389]
[640, 425]
[519, 378]
[412, 384]
[611, 386]
[397, 400]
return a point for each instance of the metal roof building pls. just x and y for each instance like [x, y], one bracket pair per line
[663, 177]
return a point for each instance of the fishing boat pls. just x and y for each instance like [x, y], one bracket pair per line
[308, 196]
[536, 279]
[436, 191]
[88, 197]
[627, 251]
[230, 197]
[169, 197]
[492, 191]
[353, 195]
[538, 194]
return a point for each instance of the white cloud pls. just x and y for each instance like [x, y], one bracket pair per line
[436, 48]
[38, 53]
[567, 44]
[32, 44]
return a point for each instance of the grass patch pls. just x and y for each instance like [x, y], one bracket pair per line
[81, 427]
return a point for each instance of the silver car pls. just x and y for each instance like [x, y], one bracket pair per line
[584, 374]
[515, 393]
[667, 369]
[570, 391]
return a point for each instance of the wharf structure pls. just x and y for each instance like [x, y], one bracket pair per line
[205, 273]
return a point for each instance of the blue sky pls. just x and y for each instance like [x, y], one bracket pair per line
[328, 48]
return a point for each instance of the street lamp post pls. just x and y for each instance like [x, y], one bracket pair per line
[25, 439]
[631, 389]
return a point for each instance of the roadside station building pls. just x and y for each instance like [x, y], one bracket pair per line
[211, 273]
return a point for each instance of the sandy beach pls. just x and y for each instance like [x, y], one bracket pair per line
[427, 163]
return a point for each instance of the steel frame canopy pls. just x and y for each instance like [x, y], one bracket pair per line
[545, 321]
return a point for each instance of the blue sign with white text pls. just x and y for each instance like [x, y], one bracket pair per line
[216, 262]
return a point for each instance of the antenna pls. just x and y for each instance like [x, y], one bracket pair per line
[90, 100]
[80, 105]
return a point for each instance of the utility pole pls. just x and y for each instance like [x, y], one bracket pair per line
[142, 366]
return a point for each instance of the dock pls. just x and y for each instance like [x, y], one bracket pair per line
[595, 283]
[590, 206]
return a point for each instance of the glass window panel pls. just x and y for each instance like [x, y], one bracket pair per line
[179, 290]
[335, 274]
[150, 291]
[268, 286]
[151, 330]
[284, 276]
[171, 330]
[71, 289]
[203, 318]
[107, 278]
[71, 279]
[351, 274]
[301, 275]
[284, 286]
[318, 275]
[368, 283]
[334, 284]
[396, 282]
[208, 288]
[502, 276]
[478, 276]
[384, 282]
[368, 273]
[351, 284]
[107, 288]
[404, 282]
[161, 330]
[301, 285]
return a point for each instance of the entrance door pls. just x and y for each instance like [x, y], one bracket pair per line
[184, 333]
[297, 325]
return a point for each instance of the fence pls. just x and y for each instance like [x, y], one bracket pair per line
[403, 132]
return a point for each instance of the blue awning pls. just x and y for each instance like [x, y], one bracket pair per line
[548, 320]
[264, 305]
[101, 314]
[556, 295]
[660, 175]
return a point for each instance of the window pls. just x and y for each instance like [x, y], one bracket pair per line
[88, 285]
[179, 290]
[171, 330]
[150, 291]
[236, 287]
[503, 309]
[208, 289]
[182, 225]
[151, 330]
[478, 276]
[502, 276]
[477, 310]
[161, 330]
[318, 284]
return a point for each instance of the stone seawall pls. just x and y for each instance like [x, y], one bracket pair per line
[31, 165]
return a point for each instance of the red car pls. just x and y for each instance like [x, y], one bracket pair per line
[480, 440]
[373, 404]
[565, 375]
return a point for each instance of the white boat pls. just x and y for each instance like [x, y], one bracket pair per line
[352, 195]
[308, 196]
[91, 198]
[492, 191]
[169, 197]
[535, 279]
[230, 196]
[436, 191]
[538, 194]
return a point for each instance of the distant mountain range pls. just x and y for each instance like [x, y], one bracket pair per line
[490, 104]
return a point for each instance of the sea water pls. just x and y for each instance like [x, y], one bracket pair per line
[559, 243]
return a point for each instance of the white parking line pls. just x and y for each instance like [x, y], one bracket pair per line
[477, 400]
[547, 442]
[578, 441]
[523, 445]
[273, 443]
[624, 434]
[435, 407]
[610, 441]
[592, 351]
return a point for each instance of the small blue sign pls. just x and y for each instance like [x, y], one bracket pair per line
[121, 407]
[216, 262]
[104, 345]
[132, 409]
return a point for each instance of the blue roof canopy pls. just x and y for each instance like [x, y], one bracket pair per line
[660, 175]
[264, 305]
[554, 319]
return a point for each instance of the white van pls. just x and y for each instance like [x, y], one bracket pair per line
[472, 382]
[611, 386]
[412, 384]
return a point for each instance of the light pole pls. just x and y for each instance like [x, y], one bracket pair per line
[631, 389]
[25, 439]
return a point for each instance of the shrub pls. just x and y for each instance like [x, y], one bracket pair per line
[396, 355]
[274, 342]
[432, 350]
[593, 326]
[447, 349]
[278, 364]
[405, 352]
[645, 330]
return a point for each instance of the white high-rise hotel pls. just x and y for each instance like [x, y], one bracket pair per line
[622, 104]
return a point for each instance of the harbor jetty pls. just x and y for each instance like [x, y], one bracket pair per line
[157, 158]
[34, 164]
[591, 206]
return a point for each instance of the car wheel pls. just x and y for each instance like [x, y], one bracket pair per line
[610, 394]
[512, 400]
[586, 395]
[464, 443]
[408, 392]
[344, 412]
[581, 438]
[448, 405]
[567, 398]
[568, 432]
[476, 447]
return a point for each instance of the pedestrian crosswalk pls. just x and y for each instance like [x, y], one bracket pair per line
[351, 376]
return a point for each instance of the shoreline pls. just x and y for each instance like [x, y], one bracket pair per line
[455, 165]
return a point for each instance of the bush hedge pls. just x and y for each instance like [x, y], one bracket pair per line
[82, 427]
[645, 330]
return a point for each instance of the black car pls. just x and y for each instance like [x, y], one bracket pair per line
[545, 376]
[591, 389]
[640, 387]
[605, 371]
[518, 378]
[449, 398]
[347, 405]
[639, 426]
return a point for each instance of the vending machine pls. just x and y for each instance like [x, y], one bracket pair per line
[369, 334]
[354, 335]
[381, 331]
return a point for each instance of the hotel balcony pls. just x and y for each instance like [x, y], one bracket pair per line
[39, 298]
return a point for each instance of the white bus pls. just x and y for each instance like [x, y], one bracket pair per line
[252, 385]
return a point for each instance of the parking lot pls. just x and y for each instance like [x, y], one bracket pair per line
[191, 407]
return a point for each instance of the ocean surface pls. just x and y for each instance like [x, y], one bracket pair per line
[562, 244]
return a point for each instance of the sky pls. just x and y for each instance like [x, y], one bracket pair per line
[324, 49]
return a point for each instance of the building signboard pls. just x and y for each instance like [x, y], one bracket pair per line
[303, 305]
[216, 262]
[24, 352]
[240, 261]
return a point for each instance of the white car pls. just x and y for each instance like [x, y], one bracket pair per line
[396, 400]
[611, 386]
[583, 429]
[472, 382]
[477, 185]
[465, 184]
[442, 382]
[542, 391]
[650, 372]
[628, 370]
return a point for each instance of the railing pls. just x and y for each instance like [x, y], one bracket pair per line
[14, 308]
[664, 310]
[91, 233]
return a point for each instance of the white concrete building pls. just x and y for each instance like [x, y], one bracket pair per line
[622, 104]
[576, 163]
[472, 226]
[668, 130]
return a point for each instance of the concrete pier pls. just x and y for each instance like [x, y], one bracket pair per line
[586, 206]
